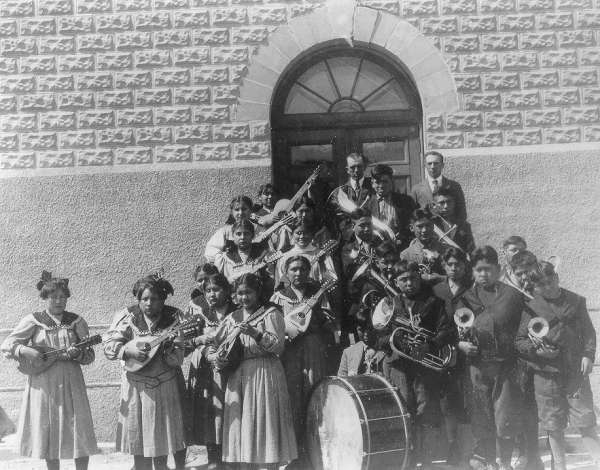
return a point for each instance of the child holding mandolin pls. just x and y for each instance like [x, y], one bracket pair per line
[305, 357]
[151, 422]
[55, 421]
[258, 432]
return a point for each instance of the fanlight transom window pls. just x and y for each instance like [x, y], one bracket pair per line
[346, 83]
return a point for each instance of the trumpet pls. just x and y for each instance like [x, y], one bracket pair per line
[537, 330]
[464, 319]
[408, 340]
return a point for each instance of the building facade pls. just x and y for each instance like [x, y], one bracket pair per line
[126, 127]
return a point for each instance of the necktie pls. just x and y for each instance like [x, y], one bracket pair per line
[436, 186]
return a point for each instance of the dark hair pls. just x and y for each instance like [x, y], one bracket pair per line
[245, 200]
[243, 224]
[404, 266]
[484, 253]
[359, 213]
[523, 259]
[420, 214]
[263, 188]
[155, 284]
[435, 154]
[249, 280]
[446, 192]
[452, 252]
[305, 226]
[217, 279]
[307, 200]
[381, 170]
[386, 248]
[48, 285]
[514, 240]
[545, 270]
[203, 270]
[303, 259]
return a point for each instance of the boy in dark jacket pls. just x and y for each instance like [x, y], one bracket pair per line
[495, 395]
[561, 363]
[417, 384]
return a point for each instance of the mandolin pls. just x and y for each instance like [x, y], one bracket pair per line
[229, 353]
[286, 205]
[262, 236]
[50, 356]
[327, 248]
[189, 329]
[298, 319]
[241, 269]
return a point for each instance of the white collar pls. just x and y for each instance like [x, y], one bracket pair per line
[431, 180]
[359, 184]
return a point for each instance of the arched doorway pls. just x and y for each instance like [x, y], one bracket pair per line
[340, 99]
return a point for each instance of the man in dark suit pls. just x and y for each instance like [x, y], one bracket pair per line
[392, 208]
[422, 193]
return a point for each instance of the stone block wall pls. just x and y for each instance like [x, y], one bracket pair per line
[116, 82]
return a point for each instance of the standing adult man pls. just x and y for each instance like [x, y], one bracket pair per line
[358, 188]
[423, 192]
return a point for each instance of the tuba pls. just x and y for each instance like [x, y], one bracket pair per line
[407, 341]
[537, 330]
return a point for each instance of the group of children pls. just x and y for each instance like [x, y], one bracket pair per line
[251, 373]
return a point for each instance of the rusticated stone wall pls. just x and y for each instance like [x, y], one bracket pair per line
[112, 82]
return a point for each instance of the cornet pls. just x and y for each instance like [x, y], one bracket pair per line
[537, 330]
[464, 319]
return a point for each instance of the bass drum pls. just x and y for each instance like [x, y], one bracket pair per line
[357, 423]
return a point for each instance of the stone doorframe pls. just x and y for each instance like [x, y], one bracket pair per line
[344, 19]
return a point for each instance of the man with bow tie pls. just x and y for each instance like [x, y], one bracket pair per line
[423, 192]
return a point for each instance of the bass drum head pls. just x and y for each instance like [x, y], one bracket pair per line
[334, 436]
[357, 423]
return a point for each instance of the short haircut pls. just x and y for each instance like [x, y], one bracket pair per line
[155, 284]
[380, 170]
[204, 270]
[262, 189]
[486, 254]
[420, 214]
[404, 266]
[356, 156]
[307, 227]
[385, 248]
[514, 240]
[435, 154]
[243, 224]
[523, 259]
[308, 201]
[303, 259]
[452, 252]
[359, 213]
[545, 270]
[446, 192]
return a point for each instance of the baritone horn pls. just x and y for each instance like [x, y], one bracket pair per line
[374, 300]
[537, 330]
[408, 339]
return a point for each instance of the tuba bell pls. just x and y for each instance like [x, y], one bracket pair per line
[537, 330]
[464, 319]
[381, 313]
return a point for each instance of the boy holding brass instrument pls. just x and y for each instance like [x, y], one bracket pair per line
[557, 338]
[495, 398]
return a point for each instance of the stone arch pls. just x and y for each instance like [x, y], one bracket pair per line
[344, 19]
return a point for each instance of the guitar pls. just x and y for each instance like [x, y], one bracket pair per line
[241, 269]
[262, 236]
[229, 353]
[188, 329]
[298, 319]
[286, 205]
[50, 356]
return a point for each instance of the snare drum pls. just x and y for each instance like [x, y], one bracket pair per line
[357, 423]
